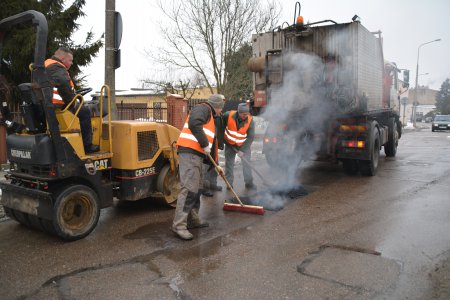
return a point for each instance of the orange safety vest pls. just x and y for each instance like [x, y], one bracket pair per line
[233, 136]
[56, 97]
[188, 140]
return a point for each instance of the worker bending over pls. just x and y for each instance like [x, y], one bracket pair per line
[239, 136]
[194, 143]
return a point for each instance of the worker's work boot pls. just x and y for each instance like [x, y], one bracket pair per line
[92, 149]
[183, 234]
[194, 221]
[207, 193]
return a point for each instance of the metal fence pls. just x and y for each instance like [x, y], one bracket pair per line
[140, 111]
[134, 111]
[151, 114]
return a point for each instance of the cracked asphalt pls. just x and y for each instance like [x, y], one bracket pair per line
[351, 237]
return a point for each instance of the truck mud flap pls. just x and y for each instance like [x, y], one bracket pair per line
[30, 201]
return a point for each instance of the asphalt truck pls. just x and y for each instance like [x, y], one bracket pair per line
[327, 93]
[52, 184]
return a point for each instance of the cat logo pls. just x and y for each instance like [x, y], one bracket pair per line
[101, 164]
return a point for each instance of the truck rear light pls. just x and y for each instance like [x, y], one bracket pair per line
[52, 171]
[273, 140]
[353, 128]
[354, 144]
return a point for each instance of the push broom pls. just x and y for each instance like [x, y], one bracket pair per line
[252, 209]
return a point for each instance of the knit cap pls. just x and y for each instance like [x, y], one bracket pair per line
[243, 108]
[216, 100]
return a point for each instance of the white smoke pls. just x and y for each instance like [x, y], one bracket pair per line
[300, 109]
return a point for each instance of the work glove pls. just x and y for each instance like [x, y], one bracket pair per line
[207, 150]
[240, 153]
[219, 170]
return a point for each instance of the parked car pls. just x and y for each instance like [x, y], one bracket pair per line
[428, 119]
[441, 122]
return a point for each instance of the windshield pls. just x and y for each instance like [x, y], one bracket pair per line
[442, 118]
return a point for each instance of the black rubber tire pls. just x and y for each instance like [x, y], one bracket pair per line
[168, 183]
[390, 148]
[369, 167]
[30, 220]
[19, 216]
[35, 222]
[47, 226]
[76, 212]
[350, 166]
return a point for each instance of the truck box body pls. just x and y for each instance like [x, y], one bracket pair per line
[357, 51]
[327, 94]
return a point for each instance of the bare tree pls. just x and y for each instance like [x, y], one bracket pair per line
[184, 87]
[200, 34]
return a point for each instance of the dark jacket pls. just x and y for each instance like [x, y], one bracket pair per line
[60, 78]
[199, 116]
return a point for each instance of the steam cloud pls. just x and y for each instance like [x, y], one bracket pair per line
[300, 114]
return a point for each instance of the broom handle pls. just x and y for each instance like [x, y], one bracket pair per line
[224, 179]
[251, 167]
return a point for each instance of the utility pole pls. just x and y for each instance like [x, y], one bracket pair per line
[416, 91]
[110, 76]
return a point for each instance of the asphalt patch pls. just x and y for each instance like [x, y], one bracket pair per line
[351, 267]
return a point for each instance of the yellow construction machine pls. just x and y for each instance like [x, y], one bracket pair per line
[53, 185]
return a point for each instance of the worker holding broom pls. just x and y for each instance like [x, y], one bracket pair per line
[239, 136]
[194, 146]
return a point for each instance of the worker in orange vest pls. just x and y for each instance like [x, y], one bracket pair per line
[210, 175]
[194, 144]
[64, 91]
[239, 136]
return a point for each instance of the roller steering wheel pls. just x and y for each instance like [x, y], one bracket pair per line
[84, 91]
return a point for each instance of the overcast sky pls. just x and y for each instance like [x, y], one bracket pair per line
[405, 24]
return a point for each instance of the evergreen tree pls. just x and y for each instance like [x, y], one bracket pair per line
[238, 84]
[443, 98]
[18, 49]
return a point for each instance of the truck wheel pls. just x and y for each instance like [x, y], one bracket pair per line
[168, 184]
[369, 167]
[390, 148]
[76, 212]
[350, 166]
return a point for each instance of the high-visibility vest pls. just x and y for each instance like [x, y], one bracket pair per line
[188, 140]
[235, 136]
[56, 96]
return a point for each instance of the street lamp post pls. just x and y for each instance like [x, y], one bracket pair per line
[417, 79]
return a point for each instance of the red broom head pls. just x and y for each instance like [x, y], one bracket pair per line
[252, 209]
